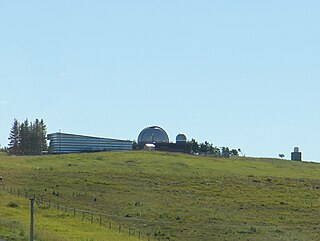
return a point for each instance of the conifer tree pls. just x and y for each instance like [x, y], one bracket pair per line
[43, 136]
[14, 137]
[24, 138]
[28, 138]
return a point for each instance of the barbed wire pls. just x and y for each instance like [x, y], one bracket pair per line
[42, 201]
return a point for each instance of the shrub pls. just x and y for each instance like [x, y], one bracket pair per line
[12, 205]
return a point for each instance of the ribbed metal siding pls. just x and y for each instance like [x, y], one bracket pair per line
[70, 143]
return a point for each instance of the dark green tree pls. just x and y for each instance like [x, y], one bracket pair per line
[205, 147]
[14, 138]
[214, 151]
[43, 136]
[234, 152]
[25, 136]
[31, 138]
[194, 146]
[225, 152]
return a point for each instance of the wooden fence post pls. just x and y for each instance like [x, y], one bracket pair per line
[31, 218]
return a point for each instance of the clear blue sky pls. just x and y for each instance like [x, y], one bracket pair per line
[243, 74]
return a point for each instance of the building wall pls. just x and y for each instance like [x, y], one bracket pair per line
[70, 143]
[296, 156]
[174, 147]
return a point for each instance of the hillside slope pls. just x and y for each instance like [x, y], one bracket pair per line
[179, 197]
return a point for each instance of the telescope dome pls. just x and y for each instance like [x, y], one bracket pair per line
[153, 134]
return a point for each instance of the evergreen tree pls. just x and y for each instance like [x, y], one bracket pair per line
[225, 152]
[35, 137]
[14, 138]
[215, 151]
[43, 136]
[28, 138]
[194, 146]
[24, 138]
[205, 147]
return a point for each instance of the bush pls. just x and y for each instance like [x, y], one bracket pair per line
[12, 205]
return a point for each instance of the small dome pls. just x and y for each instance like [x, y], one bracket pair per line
[153, 134]
[181, 138]
[296, 149]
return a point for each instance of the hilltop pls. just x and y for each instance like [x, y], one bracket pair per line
[179, 197]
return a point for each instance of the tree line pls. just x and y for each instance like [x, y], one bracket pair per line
[207, 148]
[28, 138]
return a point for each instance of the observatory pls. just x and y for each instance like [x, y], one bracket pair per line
[296, 154]
[181, 139]
[155, 138]
[152, 134]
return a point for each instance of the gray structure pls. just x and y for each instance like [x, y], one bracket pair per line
[152, 134]
[70, 143]
[296, 155]
[181, 139]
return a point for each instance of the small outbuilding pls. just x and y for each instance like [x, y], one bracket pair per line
[296, 155]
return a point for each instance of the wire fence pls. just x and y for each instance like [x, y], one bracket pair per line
[112, 222]
[103, 220]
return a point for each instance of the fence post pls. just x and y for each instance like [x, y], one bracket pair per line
[100, 221]
[91, 217]
[31, 218]
[119, 228]
[49, 203]
[109, 225]
[148, 236]
[129, 232]
[82, 215]
[74, 212]
[58, 205]
[139, 234]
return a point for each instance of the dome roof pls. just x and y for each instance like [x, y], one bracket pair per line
[181, 138]
[153, 134]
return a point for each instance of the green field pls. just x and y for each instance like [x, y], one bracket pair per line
[164, 195]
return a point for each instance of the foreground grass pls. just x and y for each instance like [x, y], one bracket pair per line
[178, 197]
[49, 224]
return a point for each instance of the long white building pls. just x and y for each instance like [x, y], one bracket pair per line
[70, 143]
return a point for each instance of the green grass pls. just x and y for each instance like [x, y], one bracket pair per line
[50, 224]
[175, 196]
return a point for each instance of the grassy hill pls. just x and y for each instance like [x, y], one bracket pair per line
[168, 196]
